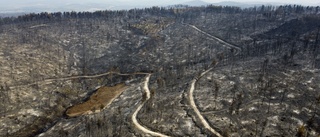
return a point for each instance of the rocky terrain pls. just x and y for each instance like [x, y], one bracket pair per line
[178, 71]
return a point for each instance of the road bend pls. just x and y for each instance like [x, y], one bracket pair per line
[195, 108]
[134, 116]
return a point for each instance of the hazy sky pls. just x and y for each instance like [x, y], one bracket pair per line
[4, 2]
[148, 2]
[79, 5]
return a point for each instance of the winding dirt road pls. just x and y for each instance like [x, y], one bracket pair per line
[134, 116]
[195, 108]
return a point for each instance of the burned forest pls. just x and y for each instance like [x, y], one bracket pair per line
[162, 71]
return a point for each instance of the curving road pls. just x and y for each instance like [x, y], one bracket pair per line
[134, 116]
[195, 108]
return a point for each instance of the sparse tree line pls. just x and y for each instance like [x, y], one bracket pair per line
[175, 11]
